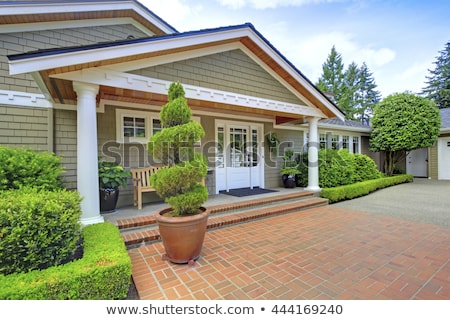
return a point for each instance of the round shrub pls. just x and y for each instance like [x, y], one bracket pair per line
[335, 168]
[365, 168]
[38, 228]
[24, 167]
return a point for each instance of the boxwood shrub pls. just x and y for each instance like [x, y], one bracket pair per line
[38, 229]
[25, 167]
[103, 273]
[338, 168]
[359, 189]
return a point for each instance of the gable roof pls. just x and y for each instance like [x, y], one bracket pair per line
[243, 36]
[41, 13]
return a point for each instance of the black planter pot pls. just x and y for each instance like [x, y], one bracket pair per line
[108, 199]
[288, 181]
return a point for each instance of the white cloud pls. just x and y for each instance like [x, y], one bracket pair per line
[266, 4]
[172, 11]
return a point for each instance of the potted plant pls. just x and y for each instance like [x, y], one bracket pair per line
[182, 225]
[110, 177]
[289, 169]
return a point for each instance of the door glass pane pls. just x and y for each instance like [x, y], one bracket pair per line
[237, 154]
[220, 160]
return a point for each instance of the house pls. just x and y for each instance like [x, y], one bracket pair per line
[437, 161]
[85, 79]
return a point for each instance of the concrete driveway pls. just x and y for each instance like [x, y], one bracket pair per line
[424, 200]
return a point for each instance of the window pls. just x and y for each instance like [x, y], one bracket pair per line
[345, 142]
[356, 145]
[134, 127]
[156, 126]
[335, 142]
[323, 141]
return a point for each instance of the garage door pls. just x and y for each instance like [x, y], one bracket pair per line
[444, 158]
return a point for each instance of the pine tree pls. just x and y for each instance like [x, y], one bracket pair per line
[348, 103]
[354, 91]
[438, 83]
[332, 77]
[366, 96]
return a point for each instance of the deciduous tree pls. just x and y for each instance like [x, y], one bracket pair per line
[403, 122]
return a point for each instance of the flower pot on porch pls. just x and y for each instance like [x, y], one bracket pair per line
[183, 236]
[289, 181]
[108, 199]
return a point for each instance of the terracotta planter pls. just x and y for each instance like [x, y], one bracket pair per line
[182, 237]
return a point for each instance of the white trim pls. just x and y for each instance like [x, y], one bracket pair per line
[84, 56]
[24, 99]
[83, 6]
[196, 113]
[147, 116]
[55, 25]
[78, 57]
[101, 76]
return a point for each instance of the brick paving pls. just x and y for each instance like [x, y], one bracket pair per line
[320, 253]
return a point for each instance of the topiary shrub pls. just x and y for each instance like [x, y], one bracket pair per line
[38, 229]
[179, 183]
[24, 167]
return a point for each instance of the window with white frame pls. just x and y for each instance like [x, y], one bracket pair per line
[356, 145]
[345, 142]
[323, 140]
[335, 142]
[135, 126]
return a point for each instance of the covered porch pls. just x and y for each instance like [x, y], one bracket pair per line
[109, 86]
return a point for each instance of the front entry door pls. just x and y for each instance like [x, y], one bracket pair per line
[241, 162]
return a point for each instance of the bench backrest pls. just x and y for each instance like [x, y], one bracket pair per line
[141, 176]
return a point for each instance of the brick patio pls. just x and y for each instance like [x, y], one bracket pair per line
[320, 253]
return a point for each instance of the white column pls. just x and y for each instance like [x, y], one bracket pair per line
[313, 155]
[87, 154]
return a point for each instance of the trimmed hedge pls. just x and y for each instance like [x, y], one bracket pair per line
[359, 189]
[104, 272]
[21, 167]
[38, 229]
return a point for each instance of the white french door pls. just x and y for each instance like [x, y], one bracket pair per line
[239, 161]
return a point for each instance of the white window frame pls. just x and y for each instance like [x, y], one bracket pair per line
[147, 115]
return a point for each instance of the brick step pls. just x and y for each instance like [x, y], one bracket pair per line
[139, 222]
[147, 234]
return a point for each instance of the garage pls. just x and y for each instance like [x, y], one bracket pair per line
[444, 158]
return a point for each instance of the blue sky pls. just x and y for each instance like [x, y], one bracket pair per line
[399, 39]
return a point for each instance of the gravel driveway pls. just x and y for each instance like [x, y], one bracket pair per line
[423, 200]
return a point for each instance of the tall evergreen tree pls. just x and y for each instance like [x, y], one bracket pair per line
[366, 96]
[348, 102]
[332, 77]
[354, 91]
[438, 83]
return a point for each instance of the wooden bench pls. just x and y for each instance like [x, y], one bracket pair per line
[141, 182]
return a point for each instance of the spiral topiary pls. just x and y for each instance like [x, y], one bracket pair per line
[179, 182]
